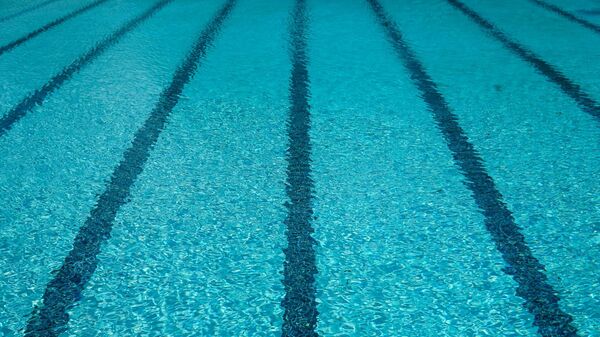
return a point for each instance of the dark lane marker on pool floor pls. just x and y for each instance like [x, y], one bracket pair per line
[38, 96]
[48, 26]
[540, 298]
[573, 90]
[64, 290]
[299, 304]
[569, 16]
[27, 10]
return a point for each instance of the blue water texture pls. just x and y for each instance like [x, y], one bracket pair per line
[299, 168]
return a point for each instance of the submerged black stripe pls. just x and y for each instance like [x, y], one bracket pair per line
[573, 90]
[38, 96]
[27, 10]
[540, 298]
[65, 288]
[299, 303]
[49, 26]
[569, 16]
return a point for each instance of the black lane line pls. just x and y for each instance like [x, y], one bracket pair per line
[10, 46]
[38, 96]
[299, 303]
[27, 10]
[573, 90]
[64, 290]
[540, 298]
[569, 16]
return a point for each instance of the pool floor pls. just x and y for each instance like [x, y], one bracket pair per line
[299, 168]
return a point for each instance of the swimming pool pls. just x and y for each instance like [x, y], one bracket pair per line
[300, 168]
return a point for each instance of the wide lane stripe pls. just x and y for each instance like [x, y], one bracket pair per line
[299, 303]
[64, 290]
[541, 299]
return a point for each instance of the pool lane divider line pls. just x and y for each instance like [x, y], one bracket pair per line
[541, 300]
[64, 290]
[38, 96]
[570, 88]
[299, 270]
[569, 16]
[12, 45]
[27, 10]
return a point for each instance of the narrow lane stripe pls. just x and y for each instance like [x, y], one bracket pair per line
[27, 10]
[38, 96]
[569, 16]
[570, 88]
[14, 44]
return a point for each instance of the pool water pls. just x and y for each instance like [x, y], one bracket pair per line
[300, 168]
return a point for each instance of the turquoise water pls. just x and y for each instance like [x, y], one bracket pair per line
[299, 168]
